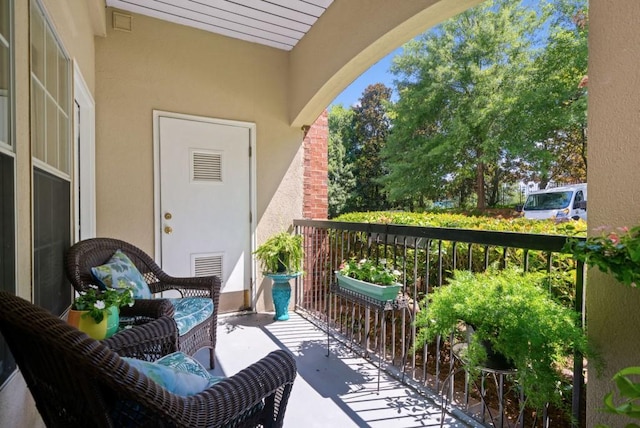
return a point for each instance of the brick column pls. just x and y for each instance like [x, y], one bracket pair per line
[315, 202]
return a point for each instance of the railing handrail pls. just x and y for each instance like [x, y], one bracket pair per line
[530, 241]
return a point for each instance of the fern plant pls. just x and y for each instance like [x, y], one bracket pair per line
[518, 317]
[281, 253]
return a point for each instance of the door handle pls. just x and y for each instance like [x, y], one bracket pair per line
[168, 230]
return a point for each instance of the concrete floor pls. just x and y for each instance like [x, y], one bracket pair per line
[335, 391]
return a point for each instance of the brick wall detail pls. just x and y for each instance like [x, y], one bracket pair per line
[315, 202]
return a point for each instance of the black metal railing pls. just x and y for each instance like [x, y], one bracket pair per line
[427, 256]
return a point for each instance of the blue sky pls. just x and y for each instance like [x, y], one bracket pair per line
[378, 73]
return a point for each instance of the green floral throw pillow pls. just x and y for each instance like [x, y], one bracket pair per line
[120, 272]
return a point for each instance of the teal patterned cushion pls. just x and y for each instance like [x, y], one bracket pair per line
[183, 362]
[191, 311]
[178, 373]
[120, 272]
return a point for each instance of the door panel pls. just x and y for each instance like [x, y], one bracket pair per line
[205, 200]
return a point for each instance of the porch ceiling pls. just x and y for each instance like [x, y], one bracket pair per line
[276, 23]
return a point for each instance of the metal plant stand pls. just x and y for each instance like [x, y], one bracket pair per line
[369, 303]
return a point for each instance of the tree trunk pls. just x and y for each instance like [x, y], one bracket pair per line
[482, 199]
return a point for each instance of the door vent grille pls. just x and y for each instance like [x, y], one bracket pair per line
[206, 167]
[205, 265]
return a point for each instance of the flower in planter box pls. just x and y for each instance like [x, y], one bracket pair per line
[370, 271]
[613, 251]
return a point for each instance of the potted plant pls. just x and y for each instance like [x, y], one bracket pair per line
[96, 312]
[281, 259]
[613, 251]
[375, 279]
[515, 314]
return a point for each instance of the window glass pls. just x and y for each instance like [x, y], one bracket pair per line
[63, 149]
[4, 93]
[51, 142]
[51, 65]
[51, 133]
[37, 120]
[63, 83]
[4, 19]
[37, 43]
[51, 95]
[5, 73]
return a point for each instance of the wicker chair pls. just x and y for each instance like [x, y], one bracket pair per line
[89, 253]
[78, 381]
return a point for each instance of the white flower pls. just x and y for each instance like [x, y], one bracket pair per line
[95, 287]
[363, 261]
[82, 293]
[383, 262]
[396, 272]
[99, 304]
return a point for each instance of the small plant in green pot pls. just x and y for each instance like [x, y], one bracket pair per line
[517, 316]
[96, 312]
[281, 257]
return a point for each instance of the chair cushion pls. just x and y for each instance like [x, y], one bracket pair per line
[191, 311]
[178, 373]
[120, 272]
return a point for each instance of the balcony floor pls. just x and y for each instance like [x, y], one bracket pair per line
[338, 391]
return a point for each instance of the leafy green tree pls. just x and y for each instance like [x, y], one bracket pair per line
[340, 175]
[457, 86]
[370, 130]
[555, 102]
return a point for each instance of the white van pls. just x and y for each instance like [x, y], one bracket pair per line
[560, 203]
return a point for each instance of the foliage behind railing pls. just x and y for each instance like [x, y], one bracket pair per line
[426, 256]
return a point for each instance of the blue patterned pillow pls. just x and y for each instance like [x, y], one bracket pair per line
[190, 312]
[120, 272]
[177, 373]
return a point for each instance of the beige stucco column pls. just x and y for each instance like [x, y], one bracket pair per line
[613, 311]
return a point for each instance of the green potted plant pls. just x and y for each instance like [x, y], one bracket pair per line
[513, 313]
[281, 253]
[372, 278]
[96, 312]
[281, 258]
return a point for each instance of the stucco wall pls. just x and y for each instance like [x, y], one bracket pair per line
[614, 184]
[164, 66]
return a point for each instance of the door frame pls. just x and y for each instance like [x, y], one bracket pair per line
[157, 224]
[84, 169]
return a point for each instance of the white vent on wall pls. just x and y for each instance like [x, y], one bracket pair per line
[207, 264]
[206, 167]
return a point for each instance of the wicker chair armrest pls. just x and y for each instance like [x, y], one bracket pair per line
[268, 380]
[201, 286]
[149, 309]
[148, 341]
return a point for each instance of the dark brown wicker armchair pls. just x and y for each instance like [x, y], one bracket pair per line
[89, 253]
[78, 381]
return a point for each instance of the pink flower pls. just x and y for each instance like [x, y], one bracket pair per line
[614, 238]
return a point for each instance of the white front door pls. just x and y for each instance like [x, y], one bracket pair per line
[205, 200]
